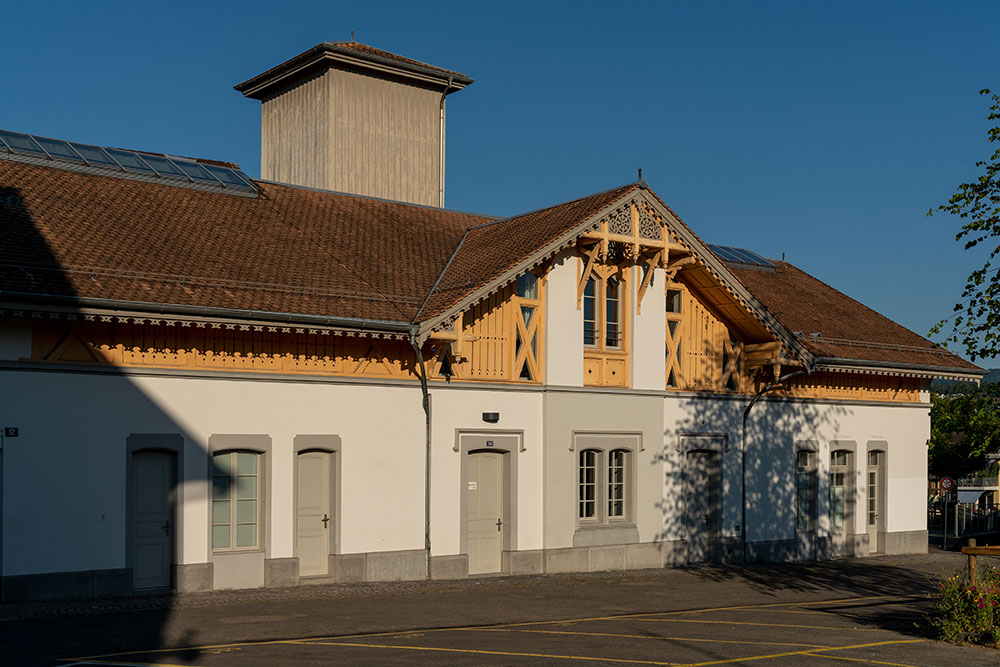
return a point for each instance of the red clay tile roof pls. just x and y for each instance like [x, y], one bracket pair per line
[847, 328]
[292, 250]
[490, 250]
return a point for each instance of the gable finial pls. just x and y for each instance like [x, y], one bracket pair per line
[352, 36]
[640, 173]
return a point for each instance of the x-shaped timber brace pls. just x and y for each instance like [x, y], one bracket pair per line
[643, 249]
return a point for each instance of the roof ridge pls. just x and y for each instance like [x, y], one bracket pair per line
[546, 208]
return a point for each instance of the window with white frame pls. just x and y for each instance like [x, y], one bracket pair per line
[603, 493]
[839, 487]
[236, 500]
[805, 491]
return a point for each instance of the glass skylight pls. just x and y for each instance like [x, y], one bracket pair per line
[116, 160]
[95, 155]
[163, 166]
[731, 255]
[21, 143]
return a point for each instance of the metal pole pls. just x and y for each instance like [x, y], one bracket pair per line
[944, 511]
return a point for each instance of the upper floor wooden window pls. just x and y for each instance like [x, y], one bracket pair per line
[603, 300]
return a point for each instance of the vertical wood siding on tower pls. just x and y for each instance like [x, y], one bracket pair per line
[354, 133]
[295, 135]
[385, 139]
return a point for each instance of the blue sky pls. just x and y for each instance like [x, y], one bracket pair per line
[824, 131]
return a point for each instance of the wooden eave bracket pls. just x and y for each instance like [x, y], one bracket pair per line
[651, 264]
[673, 267]
[591, 255]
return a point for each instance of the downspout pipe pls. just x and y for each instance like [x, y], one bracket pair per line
[425, 394]
[743, 437]
[444, 93]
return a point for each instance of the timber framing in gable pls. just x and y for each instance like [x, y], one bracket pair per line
[627, 226]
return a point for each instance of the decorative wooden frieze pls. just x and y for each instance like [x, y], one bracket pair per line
[649, 228]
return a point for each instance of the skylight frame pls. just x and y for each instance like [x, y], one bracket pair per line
[17, 149]
[152, 167]
[742, 257]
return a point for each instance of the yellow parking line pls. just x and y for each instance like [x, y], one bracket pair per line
[482, 652]
[170, 650]
[644, 616]
[725, 661]
[865, 660]
[813, 652]
[766, 625]
[673, 639]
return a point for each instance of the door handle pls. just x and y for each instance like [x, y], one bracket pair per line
[166, 528]
[325, 520]
[499, 523]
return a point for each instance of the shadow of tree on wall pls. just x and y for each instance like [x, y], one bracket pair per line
[775, 429]
[65, 490]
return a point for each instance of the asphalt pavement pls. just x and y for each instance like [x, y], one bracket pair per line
[865, 611]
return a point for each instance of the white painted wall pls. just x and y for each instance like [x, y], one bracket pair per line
[563, 325]
[67, 471]
[456, 409]
[649, 323]
[773, 430]
[600, 413]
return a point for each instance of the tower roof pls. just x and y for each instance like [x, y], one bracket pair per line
[353, 54]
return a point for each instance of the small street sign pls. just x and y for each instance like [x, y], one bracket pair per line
[947, 483]
[10, 432]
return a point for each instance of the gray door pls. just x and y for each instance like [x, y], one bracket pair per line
[484, 487]
[876, 505]
[701, 491]
[152, 519]
[314, 513]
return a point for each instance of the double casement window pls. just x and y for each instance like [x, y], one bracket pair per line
[603, 493]
[236, 496]
[602, 313]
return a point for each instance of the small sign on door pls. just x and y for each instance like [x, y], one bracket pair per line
[10, 432]
[472, 486]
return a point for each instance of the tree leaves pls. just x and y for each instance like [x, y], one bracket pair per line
[965, 428]
[978, 203]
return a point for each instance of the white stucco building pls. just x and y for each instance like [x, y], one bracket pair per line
[212, 382]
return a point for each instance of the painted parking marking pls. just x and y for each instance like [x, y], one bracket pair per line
[483, 652]
[766, 625]
[647, 616]
[868, 661]
[724, 661]
[672, 639]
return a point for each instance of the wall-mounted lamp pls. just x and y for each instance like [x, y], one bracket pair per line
[491, 417]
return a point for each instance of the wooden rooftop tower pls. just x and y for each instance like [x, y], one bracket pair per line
[347, 117]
